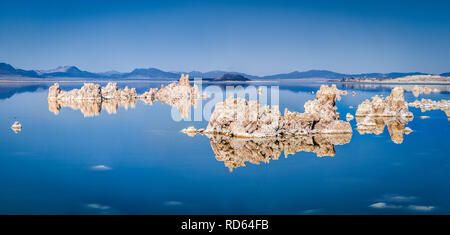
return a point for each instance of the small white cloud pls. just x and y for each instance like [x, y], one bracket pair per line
[101, 168]
[383, 205]
[421, 208]
[173, 203]
[98, 206]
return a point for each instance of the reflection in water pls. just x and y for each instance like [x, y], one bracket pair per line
[16, 127]
[375, 125]
[180, 95]
[90, 108]
[415, 89]
[235, 152]
[427, 104]
[92, 98]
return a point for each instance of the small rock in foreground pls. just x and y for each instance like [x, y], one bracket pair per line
[349, 117]
[16, 127]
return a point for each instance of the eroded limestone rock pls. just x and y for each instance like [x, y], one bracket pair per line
[392, 106]
[91, 98]
[427, 104]
[242, 118]
[349, 117]
[16, 127]
[88, 91]
[181, 95]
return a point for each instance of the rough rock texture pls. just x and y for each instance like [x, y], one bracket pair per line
[375, 125]
[236, 152]
[91, 98]
[181, 95]
[241, 118]
[407, 130]
[392, 106]
[110, 91]
[16, 127]
[349, 117]
[427, 104]
[54, 91]
[149, 96]
[89, 91]
[244, 118]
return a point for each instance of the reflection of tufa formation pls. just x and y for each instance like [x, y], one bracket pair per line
[375, 125]
[417, 90]
[373, 116]
[241, 118]
[181, 95]
[91, 98]
[427, 104]
[235, 152]
[316, 130]
[16, 127]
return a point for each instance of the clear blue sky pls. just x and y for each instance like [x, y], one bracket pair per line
[256, 37]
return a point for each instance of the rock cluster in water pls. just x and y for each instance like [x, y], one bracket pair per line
[236, 152]
[427, 104]
[391, 106]
[16, 127]
[181, 95]
[417, 90]
[392, 111]
[241, 118]
[92, 98]
[349, 117]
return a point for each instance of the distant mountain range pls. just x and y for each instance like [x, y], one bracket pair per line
[231, 77]
[7, 70]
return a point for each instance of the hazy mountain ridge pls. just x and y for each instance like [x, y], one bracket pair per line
[154, 73]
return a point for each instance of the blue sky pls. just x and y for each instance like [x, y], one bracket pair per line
[257, 37]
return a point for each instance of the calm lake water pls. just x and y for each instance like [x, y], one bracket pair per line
[136, 161]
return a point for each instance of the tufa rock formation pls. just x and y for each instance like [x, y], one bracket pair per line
[91, 98]
[349, 117]
[241, 118]
[89, 91]
[181, 95]
[427, 104]
[16, 127]
[392, 106]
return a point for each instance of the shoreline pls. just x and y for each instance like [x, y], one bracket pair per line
[118, 81]
[398, 82]
[242, 82]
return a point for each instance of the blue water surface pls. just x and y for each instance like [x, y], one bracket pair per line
[137, 161]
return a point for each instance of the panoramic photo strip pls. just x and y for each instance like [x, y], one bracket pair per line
[226, 115]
